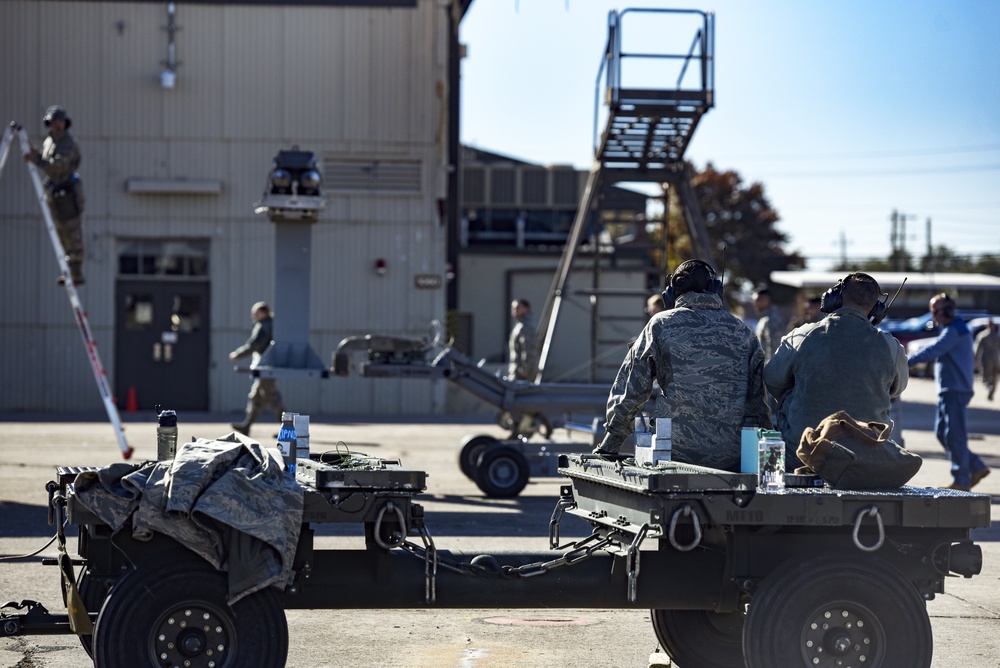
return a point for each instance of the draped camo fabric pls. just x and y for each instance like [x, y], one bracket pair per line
[228, 500]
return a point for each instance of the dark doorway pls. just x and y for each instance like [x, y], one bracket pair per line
[161, 351]
[162, 325]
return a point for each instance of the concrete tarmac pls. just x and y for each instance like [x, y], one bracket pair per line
[965, 620]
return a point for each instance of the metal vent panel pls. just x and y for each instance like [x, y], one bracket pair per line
[502, 190]
[386, 176]
[534, 186]
[473, 186]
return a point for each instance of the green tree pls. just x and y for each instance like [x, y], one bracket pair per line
[738, 217]
[943, 258]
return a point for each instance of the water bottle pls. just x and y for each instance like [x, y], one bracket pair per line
[286, 441]
[301, 424]
[166, 434]
[771, 460]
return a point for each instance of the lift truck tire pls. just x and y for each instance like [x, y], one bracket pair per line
[702, 638]
[837, 610]
[502, 471]
[472, 448]
[176, 614]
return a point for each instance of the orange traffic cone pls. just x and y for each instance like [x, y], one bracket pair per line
[131, 403]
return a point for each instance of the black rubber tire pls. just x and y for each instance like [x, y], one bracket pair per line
[471, 450]
[502, 472]
[701, 638]
[93, 591]
[144, 622]
[803, 611]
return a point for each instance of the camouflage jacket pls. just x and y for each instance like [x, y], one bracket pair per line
[259, 341]
[523, 349]
[59, 158]
[708, 365]
[228, 500]
[770, 329]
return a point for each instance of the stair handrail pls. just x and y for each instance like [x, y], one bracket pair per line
[609, 75]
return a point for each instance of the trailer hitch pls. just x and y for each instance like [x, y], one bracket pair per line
[36, 621]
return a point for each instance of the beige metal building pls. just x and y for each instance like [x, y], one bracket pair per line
[179, 109]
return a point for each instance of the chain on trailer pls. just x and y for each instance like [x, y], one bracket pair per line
[488, 566]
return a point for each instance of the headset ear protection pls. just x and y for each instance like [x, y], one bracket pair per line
[714, 286]
[833, 299]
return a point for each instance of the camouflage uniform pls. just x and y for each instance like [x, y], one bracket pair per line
[59, 160]
[709, 367]
[264, 391]
[770, 329]
[523, 348]
[987, 352]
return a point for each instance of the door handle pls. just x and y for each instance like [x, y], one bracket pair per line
[157, 352]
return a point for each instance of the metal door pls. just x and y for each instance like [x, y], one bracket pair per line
[161, 344]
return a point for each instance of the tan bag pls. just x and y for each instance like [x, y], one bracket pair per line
[849, 454]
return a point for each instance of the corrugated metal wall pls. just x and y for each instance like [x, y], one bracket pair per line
[347, 83]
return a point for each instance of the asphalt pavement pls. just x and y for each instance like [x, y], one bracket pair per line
[965, 619]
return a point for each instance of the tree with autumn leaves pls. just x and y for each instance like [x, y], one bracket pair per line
[739, 218]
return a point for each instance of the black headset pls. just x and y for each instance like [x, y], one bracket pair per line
[714, 285]
[833, 299]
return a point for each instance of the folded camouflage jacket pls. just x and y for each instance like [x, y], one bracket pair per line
[228, 500]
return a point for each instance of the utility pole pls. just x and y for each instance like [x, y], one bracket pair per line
[930, 248]
[843, 249]
[898, 239]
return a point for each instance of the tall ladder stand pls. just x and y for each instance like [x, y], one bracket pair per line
[644, 140]
[74, 299]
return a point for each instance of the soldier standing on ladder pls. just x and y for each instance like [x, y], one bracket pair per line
[59, 159]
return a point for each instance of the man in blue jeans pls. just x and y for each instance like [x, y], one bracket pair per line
[953, 371]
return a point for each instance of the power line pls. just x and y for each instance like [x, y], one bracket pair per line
[872, 154]
[898, 172]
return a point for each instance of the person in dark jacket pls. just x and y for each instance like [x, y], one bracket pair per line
[264, 391]
[840, 363]
[954, 366]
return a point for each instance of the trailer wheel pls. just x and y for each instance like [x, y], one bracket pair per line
[502, 472]
[472, 449]
[701, 638]
[829, 611]
[93, 591]
[177, 615]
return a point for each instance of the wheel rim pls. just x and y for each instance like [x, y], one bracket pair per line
[502, 473]
[843, 635]
[195, 635]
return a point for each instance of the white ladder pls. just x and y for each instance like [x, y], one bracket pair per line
[74, 299]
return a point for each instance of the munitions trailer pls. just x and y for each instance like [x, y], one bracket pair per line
[733, 575]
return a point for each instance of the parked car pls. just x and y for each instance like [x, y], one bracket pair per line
[923, 326]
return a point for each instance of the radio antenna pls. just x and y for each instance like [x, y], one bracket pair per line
[898, 290]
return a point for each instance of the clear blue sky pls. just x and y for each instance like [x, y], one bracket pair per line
[844, 110]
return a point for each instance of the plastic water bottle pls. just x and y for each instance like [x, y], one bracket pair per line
[286, 441]
[166, 435]
[771, 460]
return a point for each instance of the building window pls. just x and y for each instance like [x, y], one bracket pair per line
[175, 258]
